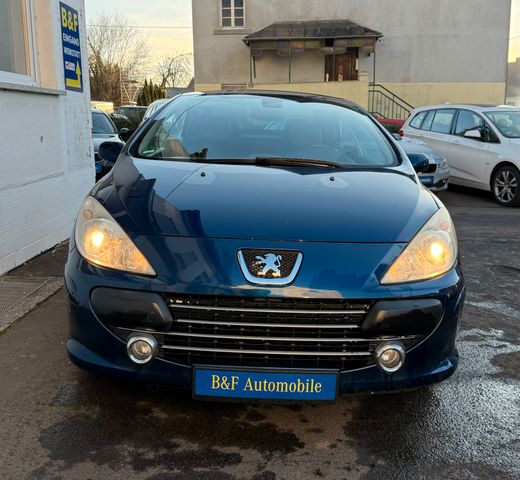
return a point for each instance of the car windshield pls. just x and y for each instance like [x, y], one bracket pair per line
[508, 123]
[248, 127]
[101, 125]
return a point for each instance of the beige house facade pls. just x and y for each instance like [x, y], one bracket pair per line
[386, 56]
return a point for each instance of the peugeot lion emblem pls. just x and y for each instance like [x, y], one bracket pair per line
[270, 262]
[269, 267]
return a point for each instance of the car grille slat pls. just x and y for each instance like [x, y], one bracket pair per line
[269, 310]
[267, 338]
[266, 325]
[264, 352]
[267, 332]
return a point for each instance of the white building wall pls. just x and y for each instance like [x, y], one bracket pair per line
[46, 155]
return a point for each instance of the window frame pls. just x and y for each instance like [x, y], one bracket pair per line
[233, 18]
[459, 112]
[453, 119]
[488, 125]
[30, 40]
[433, 111]
[419, 127]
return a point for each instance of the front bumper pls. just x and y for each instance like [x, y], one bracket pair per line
[94, 346]
[436, 181]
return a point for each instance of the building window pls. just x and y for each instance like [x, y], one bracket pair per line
[14, 38]
[232, 14]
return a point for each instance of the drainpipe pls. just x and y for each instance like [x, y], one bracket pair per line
[289, 63]
[250, 66]
[373, 78]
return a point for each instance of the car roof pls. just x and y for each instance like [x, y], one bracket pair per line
[139, 107]
[159, 101]
[472, 106]
[97, 110]
[286, 95]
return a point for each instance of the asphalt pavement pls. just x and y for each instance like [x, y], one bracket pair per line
[58, 422]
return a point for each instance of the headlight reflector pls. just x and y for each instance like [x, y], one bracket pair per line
[431, 253]
[101, 241]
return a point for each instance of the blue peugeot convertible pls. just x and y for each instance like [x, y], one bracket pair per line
[264, 245]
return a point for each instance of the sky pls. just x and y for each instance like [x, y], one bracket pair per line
[177, 13]
[154, 19]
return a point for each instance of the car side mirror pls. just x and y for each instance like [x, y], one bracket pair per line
[419, 162]
[109, 151]
[475, 134]
[124, 134]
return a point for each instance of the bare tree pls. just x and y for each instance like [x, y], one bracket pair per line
[174, 70]
[117, 53]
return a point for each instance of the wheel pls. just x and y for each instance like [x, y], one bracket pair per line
[505, 186]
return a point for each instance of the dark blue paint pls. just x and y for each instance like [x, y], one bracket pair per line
[243, 201]
[190, 227]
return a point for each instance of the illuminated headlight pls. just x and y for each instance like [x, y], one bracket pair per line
[101, 241]
[431, 253]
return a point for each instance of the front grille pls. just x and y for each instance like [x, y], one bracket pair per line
[294, 333]
[261, 263]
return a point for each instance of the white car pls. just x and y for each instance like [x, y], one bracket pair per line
[481, 144]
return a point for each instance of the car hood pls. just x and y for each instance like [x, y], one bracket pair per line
[411, 146]
[254, 202]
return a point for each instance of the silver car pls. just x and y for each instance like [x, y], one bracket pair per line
[437, 176]
[481, 144]
[103, 130]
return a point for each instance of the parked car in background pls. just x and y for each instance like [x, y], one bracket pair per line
[133, 112]
[392, 125]
[246, 262]
[107, 107]
[481, 144]
[154, 106]
[103, 129]
[437, 175]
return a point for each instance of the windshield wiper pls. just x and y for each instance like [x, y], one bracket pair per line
[267, 161]
[199, 155]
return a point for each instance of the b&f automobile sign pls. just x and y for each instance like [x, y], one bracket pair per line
[71, 48]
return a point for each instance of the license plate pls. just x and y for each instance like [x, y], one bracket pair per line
[98, 167]
[426, 180]
[265, 384]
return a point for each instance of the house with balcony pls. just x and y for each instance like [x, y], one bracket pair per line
[387, 56]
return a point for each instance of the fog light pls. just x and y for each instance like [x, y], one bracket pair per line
[390, 357]
[141, 348]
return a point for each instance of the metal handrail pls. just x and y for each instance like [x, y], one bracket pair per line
[394, 96]
[390, 102]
